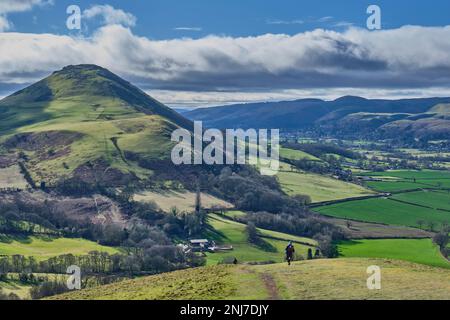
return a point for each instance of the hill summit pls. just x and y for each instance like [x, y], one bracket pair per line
[81, 83]
[82, 117]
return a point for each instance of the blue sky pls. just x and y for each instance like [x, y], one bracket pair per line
[159, 19]
[212, 52]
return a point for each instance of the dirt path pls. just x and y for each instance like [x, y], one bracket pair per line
[271, 286]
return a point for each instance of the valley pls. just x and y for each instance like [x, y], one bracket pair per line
[86, 178]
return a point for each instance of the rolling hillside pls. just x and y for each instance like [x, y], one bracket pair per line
[348, 115]
[313, 279]
[82, 120]
[227, 232]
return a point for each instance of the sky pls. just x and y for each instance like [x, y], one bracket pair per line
[190, 53]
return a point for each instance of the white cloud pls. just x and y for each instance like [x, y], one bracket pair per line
[110, 15]
[285, 22]
[188, 29]
[343, 24]
[325, 19]
[217, 98]
[4, 24]
[9, 6]
[408, 60]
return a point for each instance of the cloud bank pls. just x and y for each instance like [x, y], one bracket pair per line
[407, 58]
[110, 15]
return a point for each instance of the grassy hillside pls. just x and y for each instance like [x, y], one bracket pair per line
[314, 279]
[183, 201]
[43, 248]
[292, 154]
[14, 286]
[421, 251]
[318, 187]
[227, 232]
[85, 115]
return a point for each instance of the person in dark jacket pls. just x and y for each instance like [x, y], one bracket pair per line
[290, 252]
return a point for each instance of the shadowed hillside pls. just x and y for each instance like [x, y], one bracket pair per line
[347, 115]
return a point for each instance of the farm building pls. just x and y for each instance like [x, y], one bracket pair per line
[203, 245]
[199, 244]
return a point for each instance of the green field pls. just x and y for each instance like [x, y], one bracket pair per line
[233, 214]
[421, 251]
[393, 186]
[433, 199]
[322, 279]
[292, 154]
[228, 232]
[398, 180]
[318, 187]
[45, 248]
[411, 174]
[383, 210]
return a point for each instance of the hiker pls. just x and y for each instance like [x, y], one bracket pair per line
[290, 252]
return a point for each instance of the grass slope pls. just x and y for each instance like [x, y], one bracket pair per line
[292, 154]
[110, 116]
[304, 280]
[228, 232]
[183, 201]
[318, 187]
[44, 248]
[421, 251]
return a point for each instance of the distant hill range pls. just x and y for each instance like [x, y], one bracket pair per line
[420, 118]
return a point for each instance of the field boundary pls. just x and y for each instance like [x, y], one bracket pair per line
[330, 202]
[371, 222]
[418, 205]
